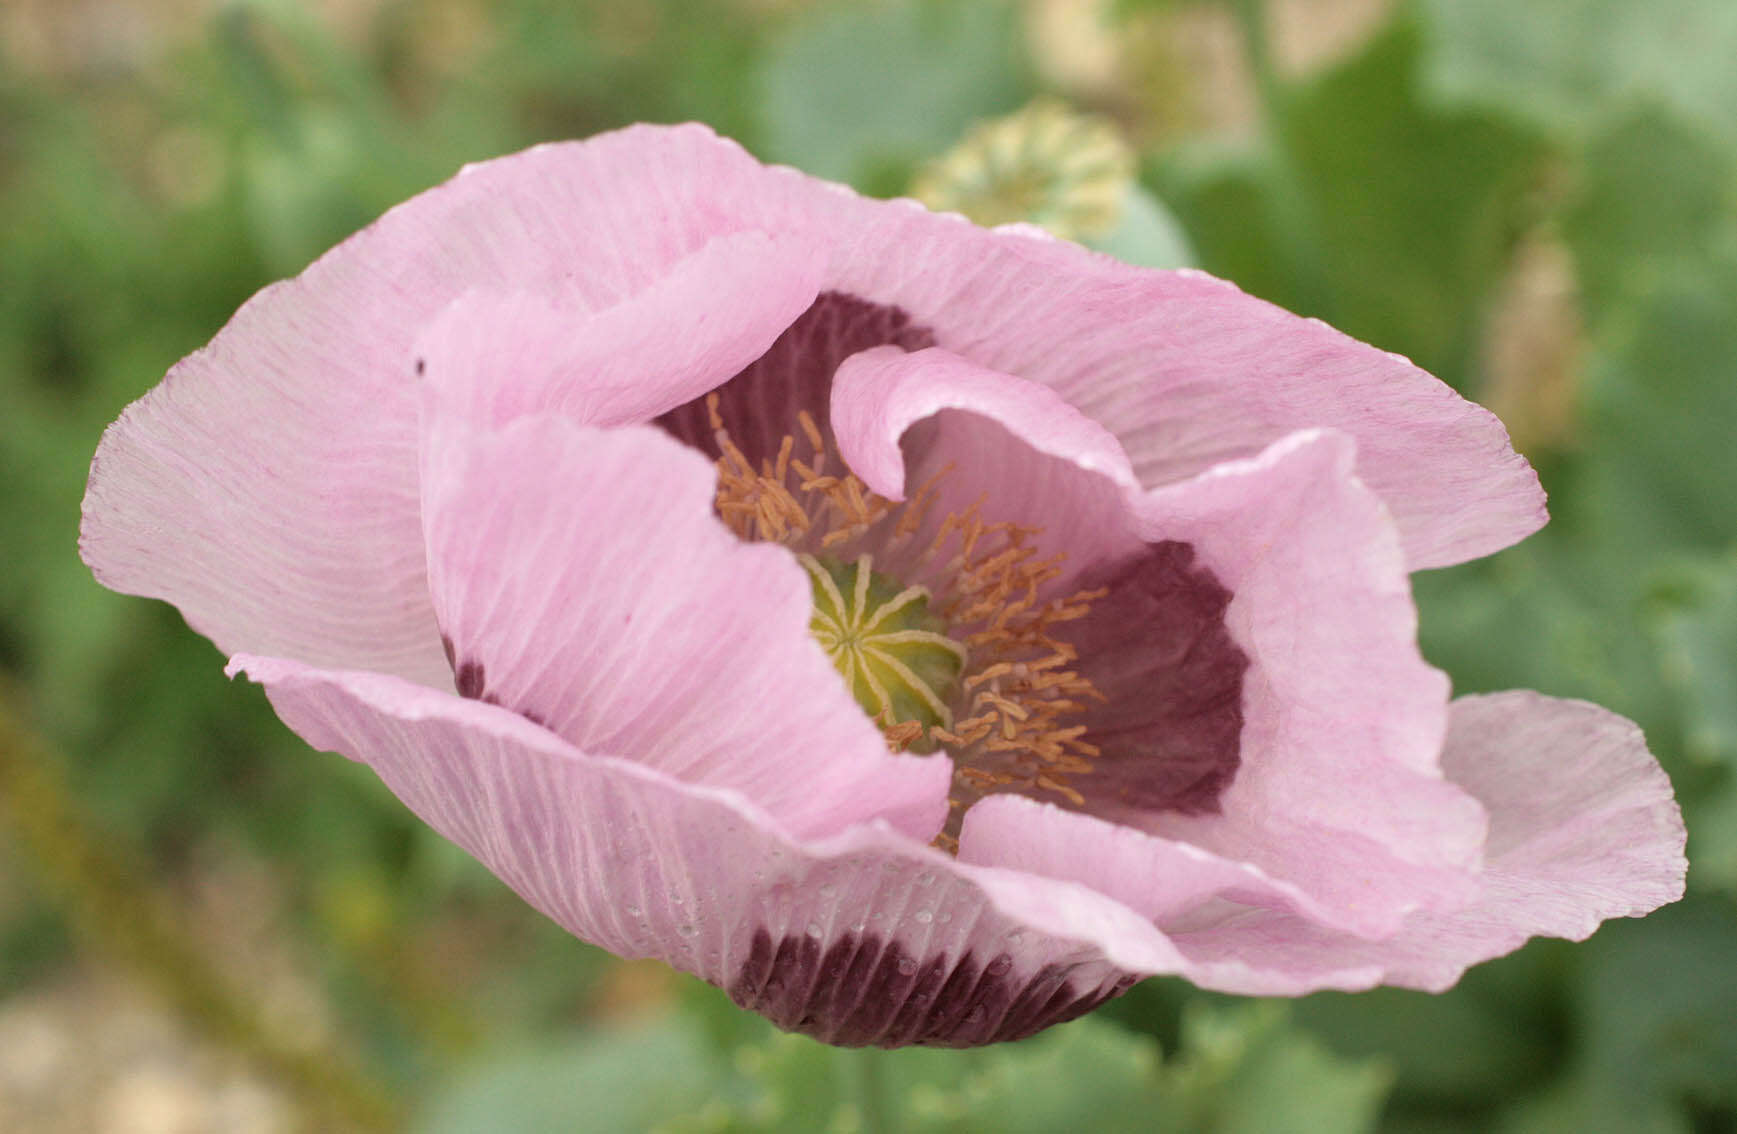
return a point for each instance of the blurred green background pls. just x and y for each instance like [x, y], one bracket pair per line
[205, 926]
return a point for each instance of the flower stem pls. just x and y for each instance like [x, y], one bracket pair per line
[865, 1086]
[1293, 213]
[120, 911]
[1257, 46]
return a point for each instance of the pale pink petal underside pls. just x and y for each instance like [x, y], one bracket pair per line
[268, 489]
[1163, 880]
[1186, 369]
[1583, 827]
[494, 356]
[1338, 789]
[584, 580]
[268, 486]
[866, 937]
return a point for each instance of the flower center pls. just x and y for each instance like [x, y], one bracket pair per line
[893, 652]
[970, 663]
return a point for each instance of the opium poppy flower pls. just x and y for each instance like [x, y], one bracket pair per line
[921, 631]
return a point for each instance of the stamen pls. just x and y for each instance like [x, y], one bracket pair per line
[973, 665]
[806, 420]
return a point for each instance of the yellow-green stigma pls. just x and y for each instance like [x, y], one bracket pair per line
[893, 652]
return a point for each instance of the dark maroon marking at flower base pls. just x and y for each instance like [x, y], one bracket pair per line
[862, 991]
[760, 405]
[1157, 648]
[469, 679]
[467, 675]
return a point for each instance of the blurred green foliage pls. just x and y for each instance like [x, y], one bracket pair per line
[1243, 1071]
[1536, 199]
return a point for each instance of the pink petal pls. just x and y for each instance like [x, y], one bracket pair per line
[866, 937]
[1029, 456]
[268, 489]
[583, 580]
[1187, 370]
[1161, 879]
[268, 486]
[496, 356]
[303, 542]
[1580, 812]
[1583, 827]
[880, 393]
[1338, 789]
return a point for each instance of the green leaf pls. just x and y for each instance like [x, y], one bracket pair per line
[1088, 1074]
[1696, 628]
[1712, 822]
[862, 93]
[616, 1080]
[1365, 207]
[1243, 1070]
[1580, 1106]
[1225, 198]
[1566, 63]
[1561, 614]
[1656, 1013]
[1242, 1067]
[1657, 195]
[1147, 234]
[1652, 225]
[300, 188]
[1487, 1038]
[1661, 394]
[1654, 232]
